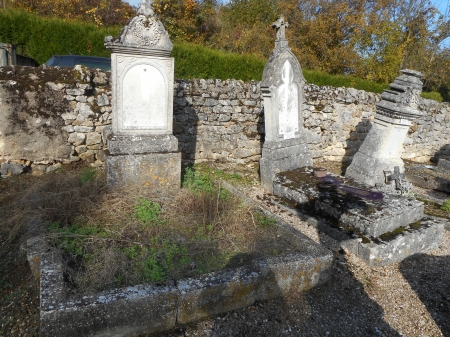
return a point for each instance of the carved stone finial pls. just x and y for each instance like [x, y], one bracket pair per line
[281, 26]
[144, 32]
[145, 8]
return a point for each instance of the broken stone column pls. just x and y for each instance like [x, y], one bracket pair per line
[285, 147]
[141, 148]
[378, 162]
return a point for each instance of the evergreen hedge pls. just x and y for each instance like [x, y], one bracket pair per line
[40, 38]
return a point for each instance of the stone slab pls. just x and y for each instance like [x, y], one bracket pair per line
[423, 236]
[159, 171]
[141, 144]
[142, 94]
[369, 217]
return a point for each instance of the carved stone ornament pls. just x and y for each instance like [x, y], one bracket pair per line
[144, 32]
[281, 54]
[401, 101]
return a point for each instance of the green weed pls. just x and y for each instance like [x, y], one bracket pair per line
[197, 182]
[147, 211]
[264, 220]
[88, 175]
[446, 205]
[436, 96]
[71, 238]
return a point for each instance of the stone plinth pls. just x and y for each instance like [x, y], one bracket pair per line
[379, 232]
[381, 151]
[141, 149]
[282, 88]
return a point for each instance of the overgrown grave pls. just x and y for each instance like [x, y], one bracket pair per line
[164, 261]
[128, 237]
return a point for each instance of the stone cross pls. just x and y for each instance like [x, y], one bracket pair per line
[397, 177]
[281, 26]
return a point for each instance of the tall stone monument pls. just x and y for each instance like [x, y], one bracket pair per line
[378, 162]
[141, 148]
[285, 147]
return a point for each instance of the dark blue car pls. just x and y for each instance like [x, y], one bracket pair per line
[104, 63]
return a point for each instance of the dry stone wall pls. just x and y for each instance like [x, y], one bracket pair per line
[52, 115]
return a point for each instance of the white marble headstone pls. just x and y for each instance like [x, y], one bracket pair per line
[287, 96]
[144, 91]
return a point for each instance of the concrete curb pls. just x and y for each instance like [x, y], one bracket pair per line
[145, 309]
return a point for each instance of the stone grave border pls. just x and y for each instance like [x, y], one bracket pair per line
[147, 308]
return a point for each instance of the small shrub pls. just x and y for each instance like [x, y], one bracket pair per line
[264, 220]
[446, 205]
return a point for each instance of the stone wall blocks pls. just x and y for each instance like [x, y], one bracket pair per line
[102, 100]
[74, 92]
[439, 118]
[93, 138]
[88, 156]
[68, 116]
[81, 99]
[82, 128]
[77, 138]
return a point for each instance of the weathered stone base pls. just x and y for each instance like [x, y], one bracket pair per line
[141, 144]
[424, 236]
[396, 247]
[282, 156]
[369, 217]
[370, 170]
[380, 232]
[159, 171]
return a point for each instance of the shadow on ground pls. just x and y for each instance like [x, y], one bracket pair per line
[339, 308]
[421, 272]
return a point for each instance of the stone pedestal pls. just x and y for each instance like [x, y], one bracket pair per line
[379, 157]
[285, 147]
[151, 161]
[141, 149]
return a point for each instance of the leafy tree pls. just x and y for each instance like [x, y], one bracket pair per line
[100, 12]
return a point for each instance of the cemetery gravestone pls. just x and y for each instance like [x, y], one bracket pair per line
[141, 148]
[285, 146]
[378, 161]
